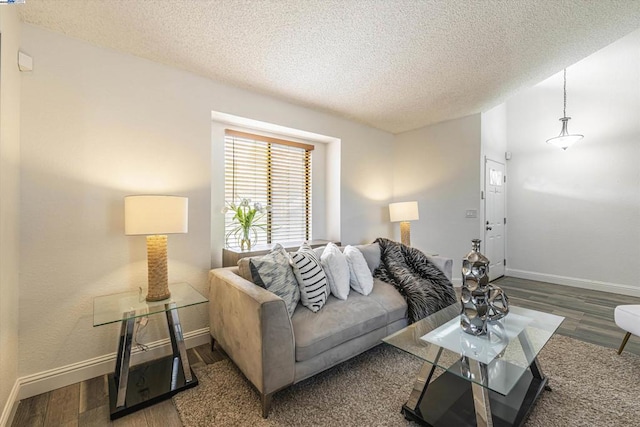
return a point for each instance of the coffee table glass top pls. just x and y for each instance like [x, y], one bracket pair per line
[507, 350]
[125, 305]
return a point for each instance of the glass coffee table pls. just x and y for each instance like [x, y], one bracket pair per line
[492, 380]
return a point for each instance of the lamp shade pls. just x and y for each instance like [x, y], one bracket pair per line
[156, 215]
[403, 211]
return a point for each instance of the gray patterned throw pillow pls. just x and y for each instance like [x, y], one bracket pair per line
[273, 272]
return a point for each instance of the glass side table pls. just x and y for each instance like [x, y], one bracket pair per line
[133, 388]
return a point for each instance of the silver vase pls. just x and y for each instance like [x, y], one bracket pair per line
[481, 302]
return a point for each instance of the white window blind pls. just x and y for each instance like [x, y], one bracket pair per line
[276, 173]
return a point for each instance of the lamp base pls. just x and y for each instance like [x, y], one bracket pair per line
[157, 268]
[159, 297]
[405, 233]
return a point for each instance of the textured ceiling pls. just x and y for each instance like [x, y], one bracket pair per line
[396, 65]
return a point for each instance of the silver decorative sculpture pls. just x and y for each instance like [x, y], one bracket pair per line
[481, 301]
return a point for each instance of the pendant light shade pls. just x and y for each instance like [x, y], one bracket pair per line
[565, 139]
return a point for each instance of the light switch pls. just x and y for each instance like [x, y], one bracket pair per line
[471, 213]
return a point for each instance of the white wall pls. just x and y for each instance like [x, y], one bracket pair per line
[574, 216]
[9, 204]
[493, 133]
[98, 125]
[439, 167]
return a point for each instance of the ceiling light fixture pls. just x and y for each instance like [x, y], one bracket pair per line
[565, 139]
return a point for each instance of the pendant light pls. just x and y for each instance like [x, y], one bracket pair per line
[565, 139]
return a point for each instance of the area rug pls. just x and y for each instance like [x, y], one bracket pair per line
[592, 386]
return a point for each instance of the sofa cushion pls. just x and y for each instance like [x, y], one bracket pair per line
[371, 253]
[337, 322]
[244, 270]
[390, 299]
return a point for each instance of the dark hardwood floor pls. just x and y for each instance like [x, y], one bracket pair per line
[87, 403]
[589, 317]
[588, 314]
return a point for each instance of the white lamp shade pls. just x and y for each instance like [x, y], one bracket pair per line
[156, 215]
[403, 211]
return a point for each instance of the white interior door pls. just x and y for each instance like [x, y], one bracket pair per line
[494, 239]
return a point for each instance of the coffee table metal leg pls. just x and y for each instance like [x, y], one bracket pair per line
[177, 340]
[536, 371]
[536, 368]
[424, 377]
[124, 356]
[480, 393]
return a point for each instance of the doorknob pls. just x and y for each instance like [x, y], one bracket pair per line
[489, 228]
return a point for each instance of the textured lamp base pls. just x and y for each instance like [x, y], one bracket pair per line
[405, 233]
[157, 268]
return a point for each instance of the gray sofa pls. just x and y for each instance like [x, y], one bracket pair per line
[273, 351]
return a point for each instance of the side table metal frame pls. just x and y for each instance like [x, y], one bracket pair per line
[179, 375]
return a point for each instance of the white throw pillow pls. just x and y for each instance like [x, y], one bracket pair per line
[311, 278]
[335, 266]
[361, 278]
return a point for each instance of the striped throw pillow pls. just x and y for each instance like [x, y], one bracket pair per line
[312, 280]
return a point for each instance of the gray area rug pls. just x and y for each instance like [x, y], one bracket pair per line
[592, 386]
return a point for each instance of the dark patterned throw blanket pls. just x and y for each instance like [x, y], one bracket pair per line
[425, 288]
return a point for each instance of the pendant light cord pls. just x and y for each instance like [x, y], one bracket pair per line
[565, 93]
[565, 139]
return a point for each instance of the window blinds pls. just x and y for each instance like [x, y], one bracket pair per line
[273, 172]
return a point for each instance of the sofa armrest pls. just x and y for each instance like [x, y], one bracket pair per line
[444, 264]
[253, 327]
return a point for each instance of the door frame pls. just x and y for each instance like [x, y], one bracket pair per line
[483, 215]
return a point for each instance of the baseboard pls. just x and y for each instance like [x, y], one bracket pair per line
[10, 407]
[42, 382]
[594, 285]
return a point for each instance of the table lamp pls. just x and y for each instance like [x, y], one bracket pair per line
[404, 212]
[155, 217]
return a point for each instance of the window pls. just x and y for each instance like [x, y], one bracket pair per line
[495, 177]
[275, 173]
